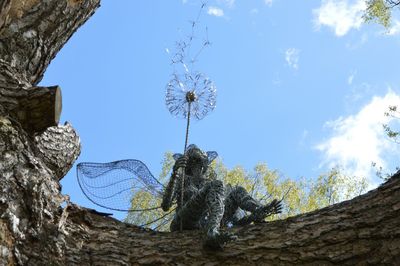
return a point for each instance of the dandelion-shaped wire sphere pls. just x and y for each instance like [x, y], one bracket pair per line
[190, 94]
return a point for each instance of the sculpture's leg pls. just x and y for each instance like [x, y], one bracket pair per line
[215, 206]
[208, 200]
[238, 198]
[191, 212]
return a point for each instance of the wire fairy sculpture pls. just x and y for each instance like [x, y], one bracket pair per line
[128, 186]
[208, 204]
[190, 95]
[192, 198]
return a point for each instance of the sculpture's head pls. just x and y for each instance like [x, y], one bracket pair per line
[198, 160]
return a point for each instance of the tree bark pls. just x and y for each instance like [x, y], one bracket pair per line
[36, 153]
[36, 30]
[363, 231]
[35, 108]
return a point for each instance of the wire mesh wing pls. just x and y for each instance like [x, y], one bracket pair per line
[117, 185]
[211, 155]
[176, 156]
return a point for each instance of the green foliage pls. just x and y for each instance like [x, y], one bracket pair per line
[167, 164]
[333, 187]
[143, 200]
[393, 134]
[298, 196]
[378, 11]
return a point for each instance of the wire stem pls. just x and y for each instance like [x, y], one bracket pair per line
[184, 151]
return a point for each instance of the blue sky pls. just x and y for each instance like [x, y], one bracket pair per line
[302, 85]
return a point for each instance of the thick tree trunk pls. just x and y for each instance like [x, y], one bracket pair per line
[35, 153]
[365, 230]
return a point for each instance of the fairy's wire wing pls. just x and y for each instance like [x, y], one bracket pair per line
[211, 155]
[116, 185]
[176, 156]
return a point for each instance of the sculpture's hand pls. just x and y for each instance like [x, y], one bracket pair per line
[180, 163]
[274, 207]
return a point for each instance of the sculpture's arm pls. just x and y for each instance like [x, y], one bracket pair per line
[259, 215]
[170, 190]
[243, 221]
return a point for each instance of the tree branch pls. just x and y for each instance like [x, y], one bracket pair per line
[58, 147]
[365, 230]
[35, 108]
[33, 31]
[393, 3]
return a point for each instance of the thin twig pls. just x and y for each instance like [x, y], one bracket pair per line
[287, 192]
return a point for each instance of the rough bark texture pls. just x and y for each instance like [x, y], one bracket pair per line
[35, 108]
[36, 153]
[35, 30]
[58, 147]
[365, 231]
[30, 199]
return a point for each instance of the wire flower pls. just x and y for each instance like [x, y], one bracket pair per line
[190, 92]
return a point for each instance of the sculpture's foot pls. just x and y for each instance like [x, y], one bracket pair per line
[216, 240]
[263, 212]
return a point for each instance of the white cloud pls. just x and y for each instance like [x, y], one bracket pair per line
[358, 94]
[228, 3]
[351, 77]
[394, 29]
[268, 2]
[358, 140]
[304, 137]
[215, 11]
[340, 15]
[292, 56]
